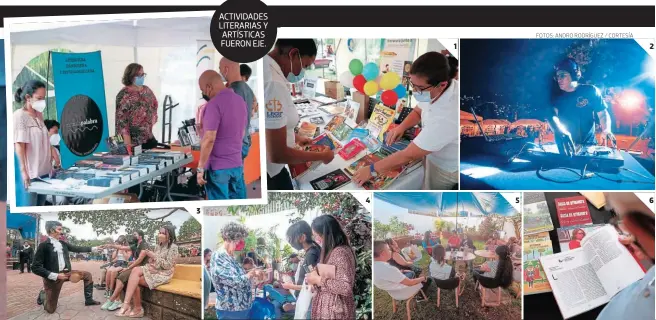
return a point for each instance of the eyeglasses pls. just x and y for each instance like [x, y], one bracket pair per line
[417, 88]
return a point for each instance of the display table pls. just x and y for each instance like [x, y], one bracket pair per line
[411, 179]
[485, 172]
[91, 192]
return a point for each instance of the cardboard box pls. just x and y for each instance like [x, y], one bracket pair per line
[334, 89]
[363, 100]
[118, 198]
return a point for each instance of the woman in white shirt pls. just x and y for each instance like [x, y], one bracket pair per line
[437, 94]
[286, 63]
[438, 267]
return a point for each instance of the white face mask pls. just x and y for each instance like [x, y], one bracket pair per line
[55, 139]
[39, 105]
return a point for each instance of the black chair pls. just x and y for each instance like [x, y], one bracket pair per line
[488, 283]
[448, 284]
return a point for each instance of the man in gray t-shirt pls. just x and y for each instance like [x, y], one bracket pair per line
[229, 71]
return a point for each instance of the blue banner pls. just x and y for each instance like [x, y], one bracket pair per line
[81, 106]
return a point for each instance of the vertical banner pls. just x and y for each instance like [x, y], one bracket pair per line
[81, 104]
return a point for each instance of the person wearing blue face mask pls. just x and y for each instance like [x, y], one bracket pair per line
[286, 64]
[136, 109]
[437, 95]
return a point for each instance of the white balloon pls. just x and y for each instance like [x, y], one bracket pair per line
[346, 79]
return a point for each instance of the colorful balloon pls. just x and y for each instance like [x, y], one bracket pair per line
[370, 88]
[389, 98]
[401, 91]
[346, 79]
[370, 71]
[389, 81]
[355, 66]
[358, 82]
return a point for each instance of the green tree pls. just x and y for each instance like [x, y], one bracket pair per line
[190, 229]
[380, 230]
[106, 222]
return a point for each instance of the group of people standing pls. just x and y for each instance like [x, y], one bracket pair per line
[324, 242]
[226, 117]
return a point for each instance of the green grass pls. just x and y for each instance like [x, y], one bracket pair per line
[469, 302]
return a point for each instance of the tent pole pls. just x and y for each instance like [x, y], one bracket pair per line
[457, 204]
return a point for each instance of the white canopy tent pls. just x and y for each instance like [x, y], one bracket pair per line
[168, 49]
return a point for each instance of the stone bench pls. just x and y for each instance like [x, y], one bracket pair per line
[178, 299]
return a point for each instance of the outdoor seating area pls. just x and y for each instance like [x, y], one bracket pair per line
[466, 265]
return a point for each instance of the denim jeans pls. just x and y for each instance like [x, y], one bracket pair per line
[226, 184]
[409, 274]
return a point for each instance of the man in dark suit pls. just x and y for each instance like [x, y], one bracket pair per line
[26, 254]
[52, 263]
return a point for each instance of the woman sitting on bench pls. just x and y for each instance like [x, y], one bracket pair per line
[157, 272]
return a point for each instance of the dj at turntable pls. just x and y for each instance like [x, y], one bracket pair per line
[576, 110]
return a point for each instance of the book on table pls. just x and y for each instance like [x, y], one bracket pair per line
[536, 213]
[573, 211]
[534, 278]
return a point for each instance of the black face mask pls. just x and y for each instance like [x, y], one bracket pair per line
[297, 246]
[206, 97]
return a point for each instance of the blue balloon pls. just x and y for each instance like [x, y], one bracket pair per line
[370, 71]
[400, 91]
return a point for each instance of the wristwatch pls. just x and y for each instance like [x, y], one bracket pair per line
[373, 171]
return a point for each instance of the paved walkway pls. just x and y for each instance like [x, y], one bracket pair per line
[23, 289]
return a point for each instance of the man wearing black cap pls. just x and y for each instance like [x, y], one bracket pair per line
[52, 263]
[577, 107]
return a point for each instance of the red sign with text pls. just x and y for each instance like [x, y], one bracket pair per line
[573, 211]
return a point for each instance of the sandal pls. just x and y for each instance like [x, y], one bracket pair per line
[137, 315]
[123, 312]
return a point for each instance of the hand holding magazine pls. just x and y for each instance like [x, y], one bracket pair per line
[587, 277]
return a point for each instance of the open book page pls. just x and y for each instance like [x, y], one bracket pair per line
[611, 260]
[587, 277]
[574, 283]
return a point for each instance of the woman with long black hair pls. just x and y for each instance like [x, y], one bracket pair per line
[500, 269]
[334, 298]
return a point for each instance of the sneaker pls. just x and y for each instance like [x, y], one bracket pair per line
[106, 304]
[115, 305]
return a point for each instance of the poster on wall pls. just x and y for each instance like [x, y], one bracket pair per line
[81, 106]
[395, 53]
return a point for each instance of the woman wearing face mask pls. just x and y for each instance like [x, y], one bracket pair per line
[158, 271]
[34, 155]
[334, 297]
[437, 95]
[229, 277]
[286, 64]
[136, 109]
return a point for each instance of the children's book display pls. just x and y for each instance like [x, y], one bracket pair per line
[380, 120]
[331, 181]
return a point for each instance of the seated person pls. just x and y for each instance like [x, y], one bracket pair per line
[292, 263]
[500, 268]
[428, 243]
[454, 242]
[438, 267]
[390, 278]
[493, 242]
[397, 260]
[466, 242]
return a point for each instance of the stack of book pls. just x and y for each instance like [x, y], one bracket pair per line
[537, 243]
